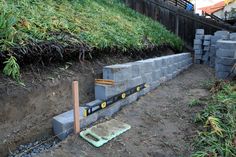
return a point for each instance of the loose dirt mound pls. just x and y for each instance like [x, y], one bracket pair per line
[162, 122]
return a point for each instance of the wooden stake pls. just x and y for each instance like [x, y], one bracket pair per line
[75, 92]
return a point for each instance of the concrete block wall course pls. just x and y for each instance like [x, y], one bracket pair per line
[117, 72]
[152, 71]
[103, 92]
[223, 68]
[226, 53]
[225, 61]
[135, 82]
[222, 34]
[222, 75]
[226, 44]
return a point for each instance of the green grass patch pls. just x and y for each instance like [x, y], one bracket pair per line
[218, 139]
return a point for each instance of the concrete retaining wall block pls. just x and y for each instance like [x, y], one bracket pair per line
[103, 92]
[118, 72]
[223, 68]
[200, 31]
[225, 60]
[226, 53]
[226, 44]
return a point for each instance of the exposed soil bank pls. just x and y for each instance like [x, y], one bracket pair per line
[26, 112]
[162, 122]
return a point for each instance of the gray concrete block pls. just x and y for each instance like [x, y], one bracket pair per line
[197, 56]
[201, 37]
[117, 72]
[214, 39]
[231, 53]
[156, 75]
[200, 31]
[232, 36]
[207, 37]
[197, 42]
[226, 44]
[135, 82]
[225, 60]
[164, 71]
[222, 75]
[103, 92]
[63, 123]
[154, 85]
[206, 43]
[206, 48]
[146, 66]
[158, 63]
[198, 52]
[170, 69]
[147, 78]
[132, 98]
[197, 47]
[169, 76]
[111, 109]
[136, 68]
[223, 68]
[93, 103]
[145, 91]
[223, 34]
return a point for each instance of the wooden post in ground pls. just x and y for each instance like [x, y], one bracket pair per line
[75, 91]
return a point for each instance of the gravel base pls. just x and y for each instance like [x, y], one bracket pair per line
[34, 148]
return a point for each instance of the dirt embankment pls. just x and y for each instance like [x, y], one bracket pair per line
[26, 112]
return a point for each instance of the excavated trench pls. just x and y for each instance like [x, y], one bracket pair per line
[27, 111]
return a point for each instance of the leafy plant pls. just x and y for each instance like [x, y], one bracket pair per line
[12, 69]
[218, 138]
[194, 102]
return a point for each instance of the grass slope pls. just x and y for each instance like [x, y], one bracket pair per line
[98, 23]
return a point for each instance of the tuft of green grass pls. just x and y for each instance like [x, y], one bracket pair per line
[218, 118]
[194, 102]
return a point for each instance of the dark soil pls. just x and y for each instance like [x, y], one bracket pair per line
[26, 111]
[161, 122]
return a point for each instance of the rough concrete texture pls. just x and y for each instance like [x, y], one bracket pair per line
[152, 71]
[206, 43]
[231, 53]
[197, 41]
[197, 47]
[222, 34]
[223, 68]
[225, 60]
[201, 37]
[232, 36]
[198, 52]
[200, 31]
[207, 37]
[118, 72]
[226, 44]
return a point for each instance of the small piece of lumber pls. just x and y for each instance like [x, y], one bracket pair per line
[105, 82]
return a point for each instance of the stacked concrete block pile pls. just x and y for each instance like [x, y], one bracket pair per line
[206, 49]
[151, 72]
[198, 49]
[225, 58]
